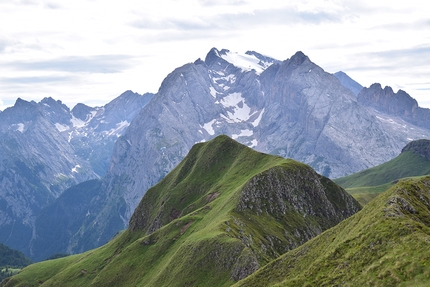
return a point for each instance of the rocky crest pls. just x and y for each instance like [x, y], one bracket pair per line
[399, 104]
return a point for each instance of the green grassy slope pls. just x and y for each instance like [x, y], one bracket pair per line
[367, 184]
[385, 244]
[223, 212]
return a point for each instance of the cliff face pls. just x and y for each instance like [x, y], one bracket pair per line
[375, 246]
[399, 104]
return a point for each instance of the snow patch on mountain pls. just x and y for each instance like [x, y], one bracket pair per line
[257, 120]
[77, 123]
[19, 127]
[244, 62]
[208, 127]
[61, 128]
[117, 130]
[75, 169]
[232, 100]
[239, 110]
[213, 92]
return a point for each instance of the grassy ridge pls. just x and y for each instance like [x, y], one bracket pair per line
[385, 244]
[367, 184]
[207, 223]
[171, 255]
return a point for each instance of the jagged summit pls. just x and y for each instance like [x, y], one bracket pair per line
[399, 104]
[386, 100]
[298, 58]
[21, 102]
[248, 61]
[81, 111]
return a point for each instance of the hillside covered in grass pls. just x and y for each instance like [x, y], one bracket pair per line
[385, 244]
[413, 161]
[219, 216]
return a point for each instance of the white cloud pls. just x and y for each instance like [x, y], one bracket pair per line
[92, 51]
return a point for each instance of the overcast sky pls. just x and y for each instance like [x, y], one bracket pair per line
[91, 51]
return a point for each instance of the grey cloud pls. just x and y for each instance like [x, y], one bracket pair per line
[95, 64]
[179, 24]
[370, 68]
[416, 56]
[282, 16]
[222, 2]
[34, 80]
[29, 2]
[392, 61]
[52, 5]
[3, 45]
[399, 26]
[288, 16]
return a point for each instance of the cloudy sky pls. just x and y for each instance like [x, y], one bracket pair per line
[91, 51]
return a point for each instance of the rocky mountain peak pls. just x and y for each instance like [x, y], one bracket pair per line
[349, 83]
[81, 111]
[55, 111]
[249, 61]
[53, 103]
[420, 147]
[386, 100]
[298, 58]
[399, 104]
[212, 56]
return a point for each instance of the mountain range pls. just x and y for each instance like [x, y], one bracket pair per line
[292, 108]
[45, 148]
